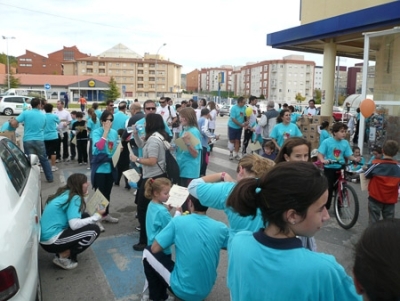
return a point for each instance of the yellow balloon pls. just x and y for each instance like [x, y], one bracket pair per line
[249, 111]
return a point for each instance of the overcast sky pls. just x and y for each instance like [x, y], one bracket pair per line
[207, 33]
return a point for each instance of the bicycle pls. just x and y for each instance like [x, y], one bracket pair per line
[346, 205]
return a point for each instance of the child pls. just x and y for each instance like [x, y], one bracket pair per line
[271, 263]
[72, 146]
[206, 136]
[356, 167]
[383, 188]
[376, 154]
[378, 250]
[269, 150]
[294, 149]
[323, 134]
[314, 159]
[79, 129]
[51, 135]
[335, 148]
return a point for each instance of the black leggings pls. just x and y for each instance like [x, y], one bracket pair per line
[332, 176]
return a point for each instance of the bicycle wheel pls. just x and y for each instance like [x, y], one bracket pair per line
[347, 209]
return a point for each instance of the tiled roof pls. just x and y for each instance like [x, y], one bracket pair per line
[54, 80]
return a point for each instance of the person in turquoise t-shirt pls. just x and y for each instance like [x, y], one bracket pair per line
[285, 129]
[335, 148]
[323, 134]
[189, 159]
[237, 121]
[157, 218]
[271, 263]
[51, 141]
[198, 240]
[66, 229]
[213, 190]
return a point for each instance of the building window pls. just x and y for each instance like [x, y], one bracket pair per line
[140, 65]
[89, 63]
[44, 66]
[22, 59]
[28, 65]
[152, 79]
[29, 60]
[22, 65]
[102, 64]
[68, 56]
[140, 78]
[102, 71]
[140, 72]
[140, 86]
[89, 70]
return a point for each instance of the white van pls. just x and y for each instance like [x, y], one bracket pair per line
[27, 92]
[13, 104]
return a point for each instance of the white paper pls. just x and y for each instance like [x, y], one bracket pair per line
[131, 175]
[116, 155]
[177, 196]
[96, 202]
[255, 146]
[364, 182]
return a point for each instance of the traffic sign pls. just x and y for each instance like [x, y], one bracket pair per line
[47, 86]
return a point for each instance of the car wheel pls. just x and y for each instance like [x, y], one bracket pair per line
[39, 290]
[8, 112]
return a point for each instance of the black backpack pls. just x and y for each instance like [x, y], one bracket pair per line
[171, 166]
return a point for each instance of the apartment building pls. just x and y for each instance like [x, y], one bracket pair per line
[214, 79]
[192, 81]
[149, 76]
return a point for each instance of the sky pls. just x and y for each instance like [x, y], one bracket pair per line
[198, 34]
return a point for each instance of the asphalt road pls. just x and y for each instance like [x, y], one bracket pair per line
[111, 270]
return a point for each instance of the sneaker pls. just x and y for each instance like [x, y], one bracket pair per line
[108, 218]
[65, 263]
[88, 168]
[99, 224]
[66, 160]
[137, 228]
[145, 298]
[54, 168]
[85, 163]
[80, 163]
[139, 247]
[238, 157]
[134, 193]
[58, 160]
[231, 156]
[41, 169]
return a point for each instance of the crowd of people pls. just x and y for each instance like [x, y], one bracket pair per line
[272, 253]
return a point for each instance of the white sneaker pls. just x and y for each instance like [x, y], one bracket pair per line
[110, 219]
[98, 223]
[145, 298]
[231, 156]
[65, 263]
[54, 168]
[41, 169]
[238, 157]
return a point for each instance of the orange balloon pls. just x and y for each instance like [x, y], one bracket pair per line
[367, 107]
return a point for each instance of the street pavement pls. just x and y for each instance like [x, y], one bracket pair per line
[112, 270]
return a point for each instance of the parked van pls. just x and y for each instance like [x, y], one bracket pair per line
[27, 92]
[13, 104]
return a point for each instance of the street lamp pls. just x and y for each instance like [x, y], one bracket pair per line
[155, 86]
[8, 60]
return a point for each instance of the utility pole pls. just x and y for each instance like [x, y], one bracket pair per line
[8, 60]
[156, 66]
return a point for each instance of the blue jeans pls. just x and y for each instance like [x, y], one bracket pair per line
[36, 147]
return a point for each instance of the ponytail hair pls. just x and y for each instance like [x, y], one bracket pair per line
[272, 194]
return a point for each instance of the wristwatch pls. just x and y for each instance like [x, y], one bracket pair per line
[138, 160]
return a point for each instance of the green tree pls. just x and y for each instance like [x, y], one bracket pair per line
[317, 96]
[113, 92]
[14, 81]
[299, 98]
[262, 96]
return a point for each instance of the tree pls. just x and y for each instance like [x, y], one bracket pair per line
[14, 81]
[113, 92]
[299, 98]
[262, 96]
[317, 96]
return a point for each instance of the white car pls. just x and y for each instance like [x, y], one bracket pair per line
[20, 212]
[13, 104]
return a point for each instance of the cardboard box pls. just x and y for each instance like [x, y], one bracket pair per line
[304, 128]
[318, 119]
[313, 128]
[10, 135]
[313, 137]
[304, 120]
[314, 144]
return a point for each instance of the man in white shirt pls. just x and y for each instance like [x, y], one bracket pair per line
[65, 120]
[311, 110]
[166, 111]
[252, 119]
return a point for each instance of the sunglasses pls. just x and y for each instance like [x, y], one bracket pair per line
[151, 108]
[161, 101]
[108, 119]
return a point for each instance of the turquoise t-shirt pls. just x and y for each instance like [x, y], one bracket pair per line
[239, 113]
[56, 215]
[282, 131]
[50, 130]
[98, 113]
[92, 126]
[294, 117]
[198, 240]
[7, 127]
[109, 148]
[189, 166]
[119, 121]
[266, 268]
[34, 123]
[333, 149]
[214, 195]
[157, 217]
[323, 135]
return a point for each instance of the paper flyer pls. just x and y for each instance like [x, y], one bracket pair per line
[363, 182]
[96, 202]
[131, 175]
[116, 155]
[177, 196]
[255, 146]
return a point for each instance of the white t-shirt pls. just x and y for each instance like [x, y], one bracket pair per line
[253, 117]
[164, 112]
[213, 119]
[64, 116]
